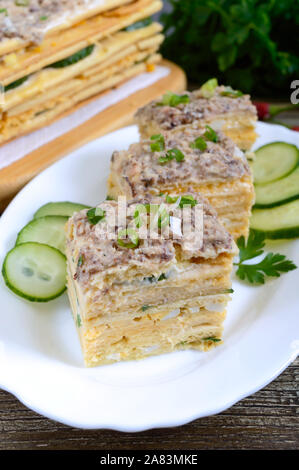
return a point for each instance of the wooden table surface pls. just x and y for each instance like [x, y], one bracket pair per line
[266, 420]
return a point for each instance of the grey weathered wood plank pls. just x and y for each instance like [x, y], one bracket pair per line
[266, 420]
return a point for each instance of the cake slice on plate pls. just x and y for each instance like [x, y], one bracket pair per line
[54, 56]
[148, 282]
[191, 158]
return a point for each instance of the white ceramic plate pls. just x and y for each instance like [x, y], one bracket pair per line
[40, 357]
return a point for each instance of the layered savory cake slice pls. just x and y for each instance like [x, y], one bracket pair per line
[220, 107]
[199, 159]
[154, 280]
[54, 71]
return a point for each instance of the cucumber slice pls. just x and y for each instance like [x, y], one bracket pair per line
[16, 84]
[74, 58]
[279, 192]
[277, 222]
[139, 24]
[67, 209]
[35, 272]
[48, 230]
[274, 161]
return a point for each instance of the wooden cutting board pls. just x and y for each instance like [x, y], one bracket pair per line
[16, 175]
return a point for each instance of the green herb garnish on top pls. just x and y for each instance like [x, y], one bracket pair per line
[172, 99]
[158, 143]
[200, 142]
[272, 265]
[170, 155]
[95, 215]
[187, 201]
[210, 134]
[231, 93]
[128, 238]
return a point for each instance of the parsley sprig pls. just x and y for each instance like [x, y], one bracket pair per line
[272, 265]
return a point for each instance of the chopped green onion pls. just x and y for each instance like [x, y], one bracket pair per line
[95, 215]
[210, 134]
[212, 338]
[171, 200]
[170, 155]
[178, 155]
[44, 18]
[140, 209]
[110, 198]
[3, 10]
[199, 144]
[131, 242]
[163, 219]
[162, 277]
[80, 261]
[187, 201]
[78, 321]
[145, 307]
[231, 93]
[207, 90]
[172, 99]
[159, 143]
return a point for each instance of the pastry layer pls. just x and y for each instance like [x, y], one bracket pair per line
[152, 334]
[107, 297]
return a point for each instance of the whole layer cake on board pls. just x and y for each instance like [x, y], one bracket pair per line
[55, 55]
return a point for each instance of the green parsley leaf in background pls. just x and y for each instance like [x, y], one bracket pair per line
[251, 45]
